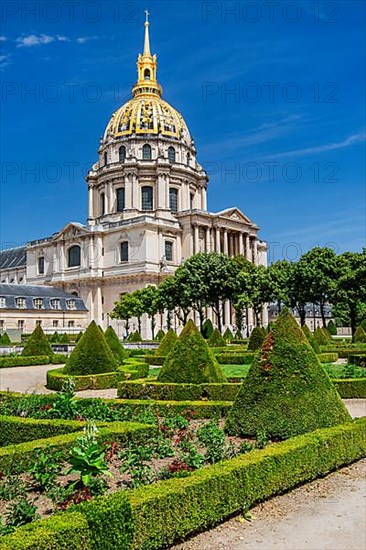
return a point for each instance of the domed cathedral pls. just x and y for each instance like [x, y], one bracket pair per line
[147, 210]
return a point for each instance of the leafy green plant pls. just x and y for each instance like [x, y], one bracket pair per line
[213, 438]
[192, 458]
[87, 457]
[98, 486]
[65, 405]
[246, 447]
[60, 493]
[44, 469]
[163, 447]
[261, 439]
[21, 512]
[12, 486]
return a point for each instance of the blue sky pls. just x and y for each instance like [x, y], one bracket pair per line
[273, 93]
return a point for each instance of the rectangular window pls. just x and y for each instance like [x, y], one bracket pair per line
[41, 265]
[21, 325]
[1, 324]
[173, 199]
[168, 251]
[70, 324]
[55, 323]
[124, 251]
[71, 304]
[2, 302]
[147, 198]
[120, 193]
[20, 302]
[191, 198]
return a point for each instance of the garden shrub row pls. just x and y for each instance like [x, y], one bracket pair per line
[235, 358]
[343, 352]
[158, 515]
[16, 430]
[357, 359]
[150, 389]
[17, 457]
[351, 388]
[57, 377]
[330, 357]
[28, 361]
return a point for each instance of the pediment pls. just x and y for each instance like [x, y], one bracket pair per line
[234, 214]
[71, 231]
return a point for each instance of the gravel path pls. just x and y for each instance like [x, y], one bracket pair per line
[326, 514]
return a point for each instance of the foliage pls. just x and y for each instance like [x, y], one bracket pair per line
[228, 335]
[321, 337]
[135, 337]
[11, 487]
[149, 297]
[37, 344]
[114, 343]
[92, 354]
[4, 339]
[167, 343]
[256, 338]
[332, 328]
[21, 512]
[160, 335]
[287, 392]
[64, 338]
[360, 335]
[213, 438]
[191, 360]
[65, 405]
[87, 457]
[207, 329]
[44, 469]
[216, 339]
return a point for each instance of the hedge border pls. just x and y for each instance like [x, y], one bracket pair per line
[358, 359]
[17, 429]
[149, 388]
[168, 511]
[328, 357]
[17, 457]
[31, 361]
[354, 388]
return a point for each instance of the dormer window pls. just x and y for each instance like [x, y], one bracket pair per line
[55, 304]
[20, 302]
[2, 302]
[38, 303]
[71, 304]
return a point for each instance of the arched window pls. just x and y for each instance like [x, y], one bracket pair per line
[171, 155]
[146, 152]
[173, 199]
[147, 74]
[105, 159]
[120, 197]
[122, 153]
[124, 251]
[146, 198]
[41, 265]
[102, 204]
[74, 256]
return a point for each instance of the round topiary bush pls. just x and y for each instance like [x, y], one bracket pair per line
[191, 361]
[207, 329]
[256, 339]
[167, 343]
[360, 336]
[216, 340]
[37, 344]
[287, 391]
[92, 354]
[114, 343]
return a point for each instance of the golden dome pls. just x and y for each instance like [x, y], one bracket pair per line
[146, 113]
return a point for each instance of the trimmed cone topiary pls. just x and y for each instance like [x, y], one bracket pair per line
[78, 336]
[228, 335]
[207, 329]
[360, 336]
[135, 337]
[160, 335]
[191, 361]
[321, 337]
[256, 339]
[238, 335]
[114, 343]
[310, 338]
[64, 338]
[332, 328]
[216, 340]
[37, 344]
[363, 324]
[167, 343]
[287, 391]
[92, 354]
[4, 339]
[55, 338]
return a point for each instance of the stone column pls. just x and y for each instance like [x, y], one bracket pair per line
[255, 251]
[227, 313]
[91, 213]
[160, 199]
[204, 199]
[196, 239]
[241, 244]
[250, 319]
[247, 247]
[208, 239]
[135, 193]
[91, 253]
[218, 243]
[128, 191]
[226, 243]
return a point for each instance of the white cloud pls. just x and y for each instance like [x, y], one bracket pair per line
[5, 61]
[38, 40]
[355, 138]
[83, 39]
[3, 38]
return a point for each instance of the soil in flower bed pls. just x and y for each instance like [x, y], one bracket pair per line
[182, 445]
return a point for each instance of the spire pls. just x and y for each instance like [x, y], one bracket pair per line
[146, 68]
[147, 38]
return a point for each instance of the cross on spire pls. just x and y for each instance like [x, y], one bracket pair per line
[147, 39]
[147, 13]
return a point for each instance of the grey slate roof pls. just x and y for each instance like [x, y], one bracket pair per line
[47, 293]
[13, 257]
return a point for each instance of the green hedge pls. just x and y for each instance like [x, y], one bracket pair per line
[351, 389]
[155, 360]
[357, 359]
[235, 358]
[330, 357]
[136, 365]
[150, 389]
[15, 429]
[57, 377]
[17, 457]
[28, 361]
[168, 511]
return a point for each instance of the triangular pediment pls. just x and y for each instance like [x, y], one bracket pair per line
[71, 231]
[234, 214]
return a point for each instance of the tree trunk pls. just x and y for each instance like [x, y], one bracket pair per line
[353, 319]
[153, 326]
[139, 324]
[202, 318]
[217, 310]
[322, 313]
[302, 314]
[169, 319]
[127, 327]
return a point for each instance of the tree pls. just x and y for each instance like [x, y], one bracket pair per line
[149, 297]
[279, 280]
[350, 293]
[124, 309]
[173, 295]
[167, 343]
[287, 391]
[191, 361]
[207, 329]
[4, 339]
[360, 336]
[253, 289]
[92, 354]
[37, 344]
